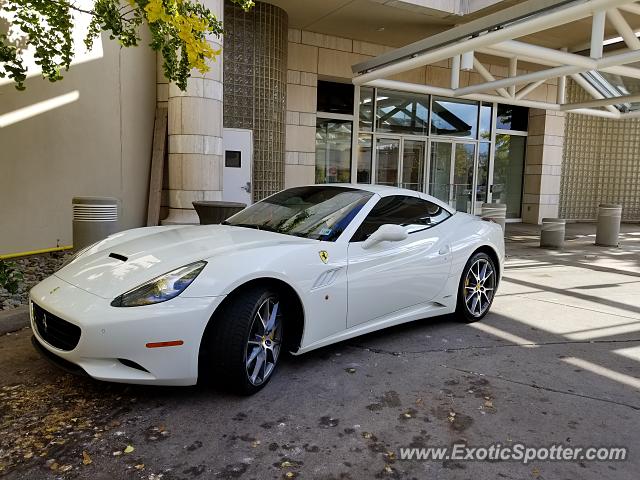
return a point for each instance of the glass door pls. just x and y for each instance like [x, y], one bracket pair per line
[440, 171]
[451, 172]
[387, 160]
[463, 170]
[413, 156]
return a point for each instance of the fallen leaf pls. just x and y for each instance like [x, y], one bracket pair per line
[129, 449]
[140, 466]
[86, 458]
[535, 472]
[488, 403]
[286, 464]
[65, 468]
[350, 370]
[255, 443]
[54, 466]
[117, 453]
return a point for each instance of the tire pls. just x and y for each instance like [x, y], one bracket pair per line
[239, 350]
[468, 308]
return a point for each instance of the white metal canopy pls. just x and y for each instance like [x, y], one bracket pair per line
[497, 35]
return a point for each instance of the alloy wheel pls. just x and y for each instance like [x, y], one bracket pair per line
[479, 287]
[264, 342]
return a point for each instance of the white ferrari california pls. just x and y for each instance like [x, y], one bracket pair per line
[301, 269]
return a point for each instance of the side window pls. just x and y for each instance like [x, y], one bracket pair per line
[411, 212]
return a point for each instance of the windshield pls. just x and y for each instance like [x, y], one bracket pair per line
[316, 212]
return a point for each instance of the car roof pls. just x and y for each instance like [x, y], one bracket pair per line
[386, 190]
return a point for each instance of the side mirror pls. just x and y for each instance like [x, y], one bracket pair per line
[386, 233]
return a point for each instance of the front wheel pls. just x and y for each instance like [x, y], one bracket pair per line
[477, 288]
[246, 339]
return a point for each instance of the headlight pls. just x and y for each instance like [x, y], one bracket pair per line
[160, 289]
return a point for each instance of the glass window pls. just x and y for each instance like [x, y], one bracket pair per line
[366, 108]
[333, 150]
[387, 155]
[512, 118]
[413, 153]
[485, 121]
[399, 112]
[335, 97]
[317, 212]
[364, 159]
[456, 118]
[507, 172]
[414, 213]
[482, 174]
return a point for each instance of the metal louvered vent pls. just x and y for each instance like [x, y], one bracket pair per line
[95, 213]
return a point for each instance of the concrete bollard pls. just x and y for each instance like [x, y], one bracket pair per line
[94, 219]
[608, 227]
[552, 233]
[496, 212]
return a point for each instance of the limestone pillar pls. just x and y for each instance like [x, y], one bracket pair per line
[195, 137]
[543, 164]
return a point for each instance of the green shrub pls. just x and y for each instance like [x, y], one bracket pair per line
[10, 278]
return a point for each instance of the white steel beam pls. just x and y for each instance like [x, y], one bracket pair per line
[524, 91]
[603, 102]
[623, 28]
[447, 92]
[619, 59]
[590, 89]
[631, 8]
[484, 73]
[513, 71]
[623, 70]
[508, 32]
[597, 33]
[455, 71]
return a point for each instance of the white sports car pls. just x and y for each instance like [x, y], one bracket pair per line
[304, 268]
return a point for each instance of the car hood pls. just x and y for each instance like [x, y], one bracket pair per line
[128, 259]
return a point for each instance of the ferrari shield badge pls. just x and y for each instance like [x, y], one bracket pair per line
[324, 256]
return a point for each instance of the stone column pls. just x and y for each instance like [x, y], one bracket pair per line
[195, 137]
[543, 164]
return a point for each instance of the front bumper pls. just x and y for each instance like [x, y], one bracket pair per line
[113, 340]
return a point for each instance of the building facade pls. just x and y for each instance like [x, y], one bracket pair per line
[280, 109]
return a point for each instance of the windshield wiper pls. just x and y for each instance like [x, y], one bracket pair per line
[255, 226]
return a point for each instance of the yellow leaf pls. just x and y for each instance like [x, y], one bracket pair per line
[140, 466]
[129, 449]
[86, 458]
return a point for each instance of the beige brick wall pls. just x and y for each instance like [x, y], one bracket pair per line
[543, 163]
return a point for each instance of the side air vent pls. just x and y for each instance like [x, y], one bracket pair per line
[326, 278]
[117, 256]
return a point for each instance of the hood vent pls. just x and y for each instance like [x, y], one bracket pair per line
[117, 256]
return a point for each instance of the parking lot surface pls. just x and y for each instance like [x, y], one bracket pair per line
[555, 361]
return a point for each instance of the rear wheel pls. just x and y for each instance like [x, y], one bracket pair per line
[245, 340]
[477, 288]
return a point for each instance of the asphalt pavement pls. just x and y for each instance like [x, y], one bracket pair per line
[555, 362]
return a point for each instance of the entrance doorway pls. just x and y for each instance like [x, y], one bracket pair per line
[400, 162]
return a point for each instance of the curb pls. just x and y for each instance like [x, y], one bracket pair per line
[14, 319]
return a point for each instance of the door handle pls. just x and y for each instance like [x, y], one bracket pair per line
[247, 187]
[444, 250]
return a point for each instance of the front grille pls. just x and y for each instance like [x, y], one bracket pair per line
[55, 331]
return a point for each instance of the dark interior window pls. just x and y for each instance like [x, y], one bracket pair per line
[512, 118]
[412, 212]
[335, 97]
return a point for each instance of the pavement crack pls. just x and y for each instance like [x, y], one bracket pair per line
[541, 387]
[487, 347]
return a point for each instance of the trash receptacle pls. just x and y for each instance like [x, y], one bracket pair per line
[608, 228]
[94, 219]
[552, 233]
[212, 212]
[496, 212]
